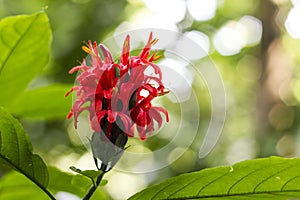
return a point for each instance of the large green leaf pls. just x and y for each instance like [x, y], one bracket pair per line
[268, 178]
[16, 150]
[45, 102]
[14, 186]
[59, 181]
[24, 46]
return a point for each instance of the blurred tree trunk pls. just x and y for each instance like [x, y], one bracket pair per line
[265, 99]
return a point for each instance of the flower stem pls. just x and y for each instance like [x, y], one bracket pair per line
[94, 186]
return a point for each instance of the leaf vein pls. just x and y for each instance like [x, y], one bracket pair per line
[234, 184]
[205, 186]
[290, 180]
[250, 173]
[161, 190]
[184, 186]
[234, 195]
[254, 189]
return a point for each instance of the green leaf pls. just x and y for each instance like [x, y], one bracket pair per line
[24, 46]
[61, 181]
[16, 150]
[91, 174]
[15, 186]
[103, 182]
[42, 103]
[75, 169]
[267, 178]
[75, 184]
[58, 181]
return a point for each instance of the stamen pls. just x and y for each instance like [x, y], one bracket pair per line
[154, 41]
[165, 91]
[86, 49]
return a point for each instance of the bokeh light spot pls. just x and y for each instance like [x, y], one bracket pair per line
[292, 22]
[193, 45]
[230, 39]
[172, 9]
[202, 10]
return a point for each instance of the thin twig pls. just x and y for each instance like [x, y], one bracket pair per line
[98, 181]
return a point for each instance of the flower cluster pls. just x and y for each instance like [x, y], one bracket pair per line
[118, 95]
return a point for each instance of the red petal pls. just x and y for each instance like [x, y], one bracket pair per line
[156, 116]
[101, 114]
[111, 116]
[107, 55]
[94, 124]
[69, 92]
[160, 109]
[147, 47]
[70, 114]
[126, 121]
[77, 68]
[142, 133]
[125, 52]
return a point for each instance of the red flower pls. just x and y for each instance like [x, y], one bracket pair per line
[119, 94]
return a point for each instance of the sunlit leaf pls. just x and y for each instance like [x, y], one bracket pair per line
[24, 47]
[15, 186]
[45, 103]
[16, 150]
[103, 182]
[59, 181]
[268, 178]
[91, 174]
[75, 169]
[75, 184]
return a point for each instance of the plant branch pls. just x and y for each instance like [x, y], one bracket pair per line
[94, 186]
